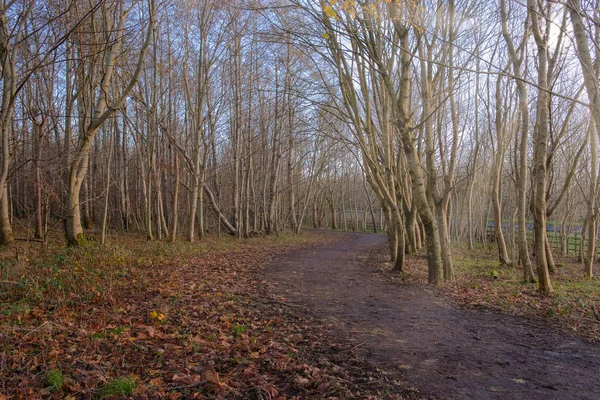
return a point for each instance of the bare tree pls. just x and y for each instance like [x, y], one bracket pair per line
[113, 38]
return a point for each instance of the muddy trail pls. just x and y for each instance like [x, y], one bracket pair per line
[444, 351]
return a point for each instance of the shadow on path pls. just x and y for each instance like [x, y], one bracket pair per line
[442, 350]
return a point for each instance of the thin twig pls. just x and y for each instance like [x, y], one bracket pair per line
[36, 329]
[183, 387]
[43, 325]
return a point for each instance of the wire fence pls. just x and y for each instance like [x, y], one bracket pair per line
[565, 242]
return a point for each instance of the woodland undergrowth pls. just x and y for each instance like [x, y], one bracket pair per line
[137, 319]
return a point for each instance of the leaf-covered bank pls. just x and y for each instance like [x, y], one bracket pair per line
[150, 320]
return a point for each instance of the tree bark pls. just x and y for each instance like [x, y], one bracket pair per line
[590, 77]
[503, 257]
[540, 152]
[521, 182]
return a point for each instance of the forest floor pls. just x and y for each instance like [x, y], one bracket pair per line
[150, 320]
[313, 316]
[457, 342]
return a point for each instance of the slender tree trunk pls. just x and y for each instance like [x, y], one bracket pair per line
[503, 257]
[590, 70]
[124, 181]
[195, 189]
[6, 233]
[399, 234]
[549, 256]
[392, 234]
[411, 230]
[420, 198]
[175, 208]
[275, 163]
[521, 182]
[88, 221]
[107, 189]
[592, 214]
[201, 221]
[540, 152]
[470, 232]
[332, 207]
[39, 214]
[74, 231]
[444, 232]
[160, 206]
[148, 192]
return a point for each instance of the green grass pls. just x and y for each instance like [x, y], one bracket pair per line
[476, 263]
[121, 386]
[577, 287]
[54, 380]
[110, 332]
[478, 273]
[568, 281]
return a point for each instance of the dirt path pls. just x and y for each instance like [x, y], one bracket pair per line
[443, 351]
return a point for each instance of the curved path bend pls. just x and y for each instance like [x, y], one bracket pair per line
[444, 351]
